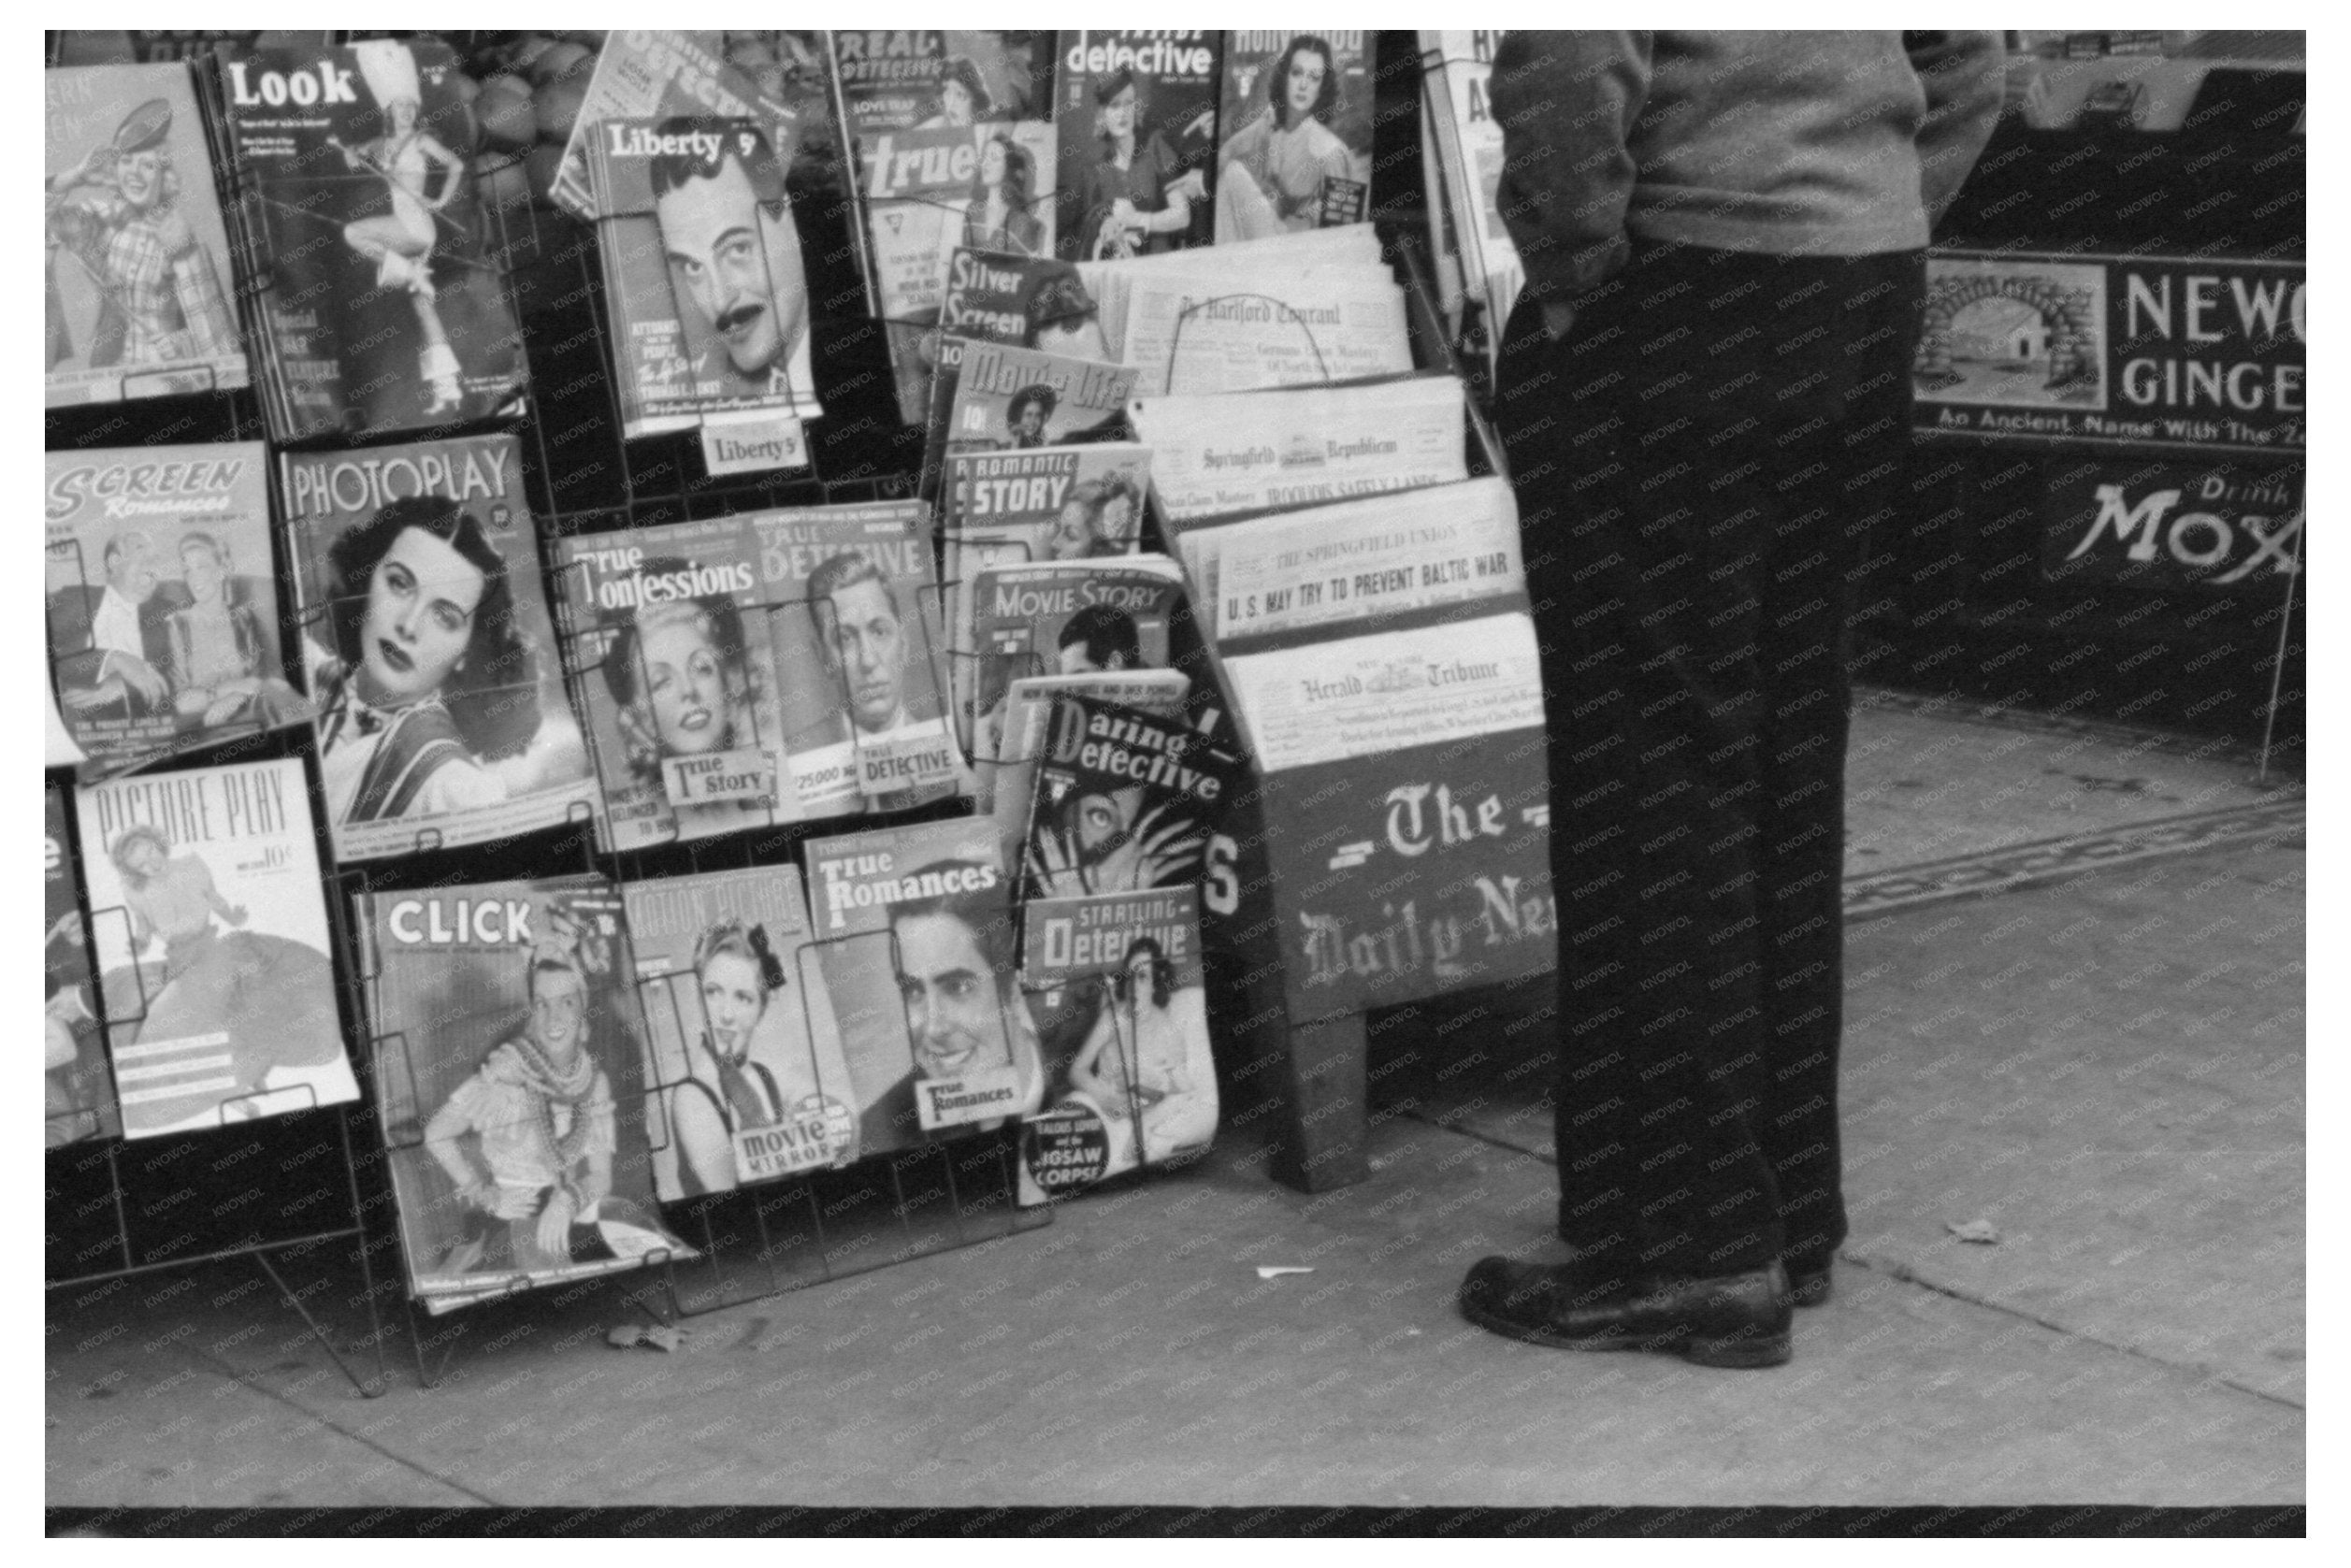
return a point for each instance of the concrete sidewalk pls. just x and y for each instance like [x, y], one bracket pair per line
[2108, 1069]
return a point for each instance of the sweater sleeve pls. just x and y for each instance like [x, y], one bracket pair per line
[1567, 102]
[1964, 75]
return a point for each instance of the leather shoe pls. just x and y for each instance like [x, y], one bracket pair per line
[1808, 1283]
[1728, 1320]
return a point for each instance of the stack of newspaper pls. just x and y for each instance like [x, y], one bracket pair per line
[1370, 625]
[1218, 454]
[1306, 308]
[1463, 161]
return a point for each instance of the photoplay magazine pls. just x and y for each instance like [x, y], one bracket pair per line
[441, 708]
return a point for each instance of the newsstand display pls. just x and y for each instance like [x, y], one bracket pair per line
[711, 660]
[695, 662]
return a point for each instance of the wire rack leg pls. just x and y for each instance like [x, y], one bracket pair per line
[317, 1333]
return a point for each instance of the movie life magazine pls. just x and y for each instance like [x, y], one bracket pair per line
[670, 652]
[852, 601]
[381, 307]
[208, 914]
[1032, 302]
[438, 691]
[161, 601]
[136, 286]
[746, 1080]
[1135, 123]
[509, 1053]
[1115, 982]
[77, 1092]
[916, 936]
[702, 269]
[1294, 126]
[1008, 398]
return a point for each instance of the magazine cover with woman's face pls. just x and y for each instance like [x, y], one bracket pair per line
[1136, 113]
[1115, 982]
[440, 707]
[744, 1079]
[671, 658]
[208, 919]
[1294, 129]
[508, 1048]
[135, 259]
[161, 600]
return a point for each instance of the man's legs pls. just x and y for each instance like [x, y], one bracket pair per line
[1678, 463]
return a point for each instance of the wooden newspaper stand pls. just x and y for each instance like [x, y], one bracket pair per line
[1341, 887]
[1344, 886]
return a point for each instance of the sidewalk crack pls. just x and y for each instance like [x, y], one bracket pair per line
[360, 1438]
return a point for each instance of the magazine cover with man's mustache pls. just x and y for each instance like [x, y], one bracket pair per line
[913, 935]
[137, 295]
[746, 1080]
[161, 600]
[670, 651]
[431, 664]
[381, 302]
[701, 257]
[508, 1050]
[209, 922]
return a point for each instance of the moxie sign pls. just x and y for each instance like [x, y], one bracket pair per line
[2173, 524]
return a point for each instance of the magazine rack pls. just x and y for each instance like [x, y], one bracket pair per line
[100, 1191]
[826, 1223]
[583, 478]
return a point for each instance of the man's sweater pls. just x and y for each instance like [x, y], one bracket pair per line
[1835, 144]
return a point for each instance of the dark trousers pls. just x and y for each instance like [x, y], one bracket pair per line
[1698, 467]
